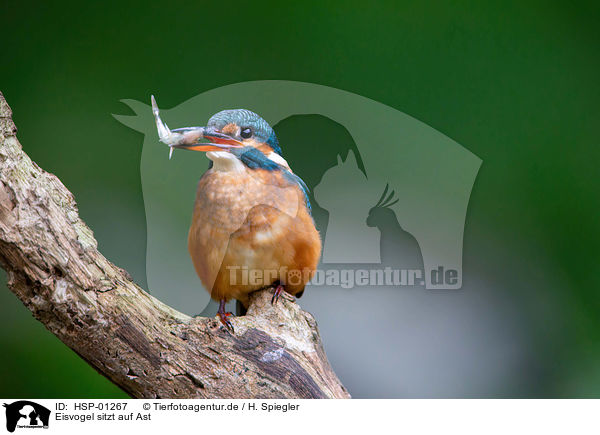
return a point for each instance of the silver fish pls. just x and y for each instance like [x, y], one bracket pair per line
[165, 135]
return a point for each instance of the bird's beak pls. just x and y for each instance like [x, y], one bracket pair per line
[190, 138]
[217, 141]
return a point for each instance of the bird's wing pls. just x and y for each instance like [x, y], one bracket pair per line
[255, 159]
[300, 183]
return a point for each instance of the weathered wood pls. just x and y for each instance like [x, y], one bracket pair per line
[143, 346]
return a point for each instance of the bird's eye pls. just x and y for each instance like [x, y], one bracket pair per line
[246, 132]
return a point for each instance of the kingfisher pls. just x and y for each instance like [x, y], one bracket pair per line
[252, 225]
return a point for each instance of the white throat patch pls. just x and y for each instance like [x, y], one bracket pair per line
[225, 161]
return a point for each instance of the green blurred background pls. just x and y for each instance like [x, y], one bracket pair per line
[516, 83]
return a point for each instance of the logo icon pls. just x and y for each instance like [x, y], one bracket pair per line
[396, 195]
[26, 414]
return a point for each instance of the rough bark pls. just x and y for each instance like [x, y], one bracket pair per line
[143, 346]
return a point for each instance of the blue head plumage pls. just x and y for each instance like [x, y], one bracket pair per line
[248, 123]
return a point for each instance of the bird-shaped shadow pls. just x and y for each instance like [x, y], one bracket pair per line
[399, 249]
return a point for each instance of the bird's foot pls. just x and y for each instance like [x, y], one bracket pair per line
[278, 290]
[224, 316]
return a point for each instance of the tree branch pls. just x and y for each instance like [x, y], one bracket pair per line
[143, 346]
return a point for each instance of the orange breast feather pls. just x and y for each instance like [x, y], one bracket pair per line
[250, 229]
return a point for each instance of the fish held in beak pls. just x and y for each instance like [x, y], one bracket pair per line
[189, 138]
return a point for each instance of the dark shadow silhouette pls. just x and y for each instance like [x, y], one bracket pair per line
[311, 145]
[399, 249]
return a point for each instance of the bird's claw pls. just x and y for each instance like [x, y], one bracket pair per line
[276, 294]
[224, 318]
